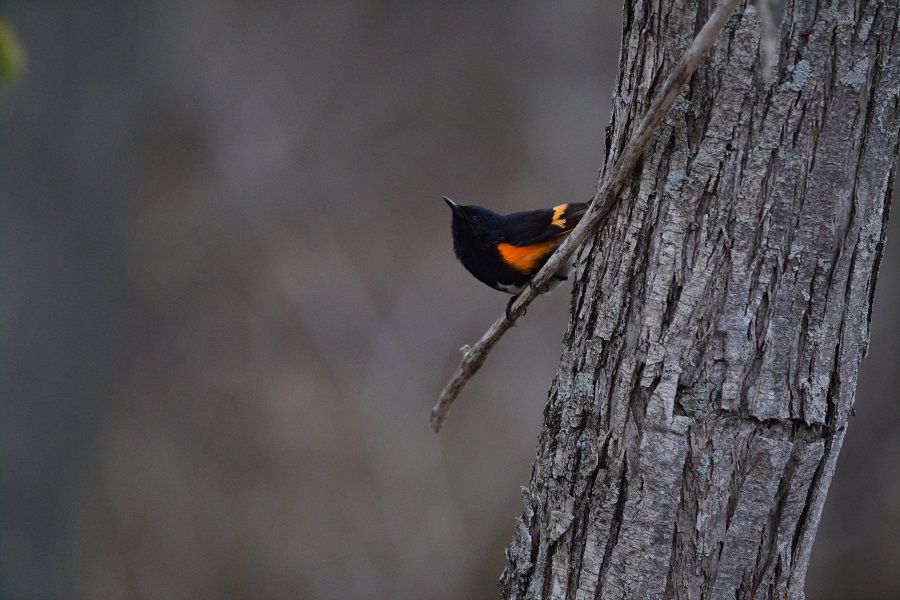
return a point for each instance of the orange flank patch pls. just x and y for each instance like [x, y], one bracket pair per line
[527, 259]
[558, 219]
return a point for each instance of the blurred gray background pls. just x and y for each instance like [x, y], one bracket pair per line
[229, 299]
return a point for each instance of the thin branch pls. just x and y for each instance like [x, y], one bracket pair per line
[603, 202]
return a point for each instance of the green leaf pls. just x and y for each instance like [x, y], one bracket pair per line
[12, 54]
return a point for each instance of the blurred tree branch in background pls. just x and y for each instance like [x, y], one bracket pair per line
[720, 318]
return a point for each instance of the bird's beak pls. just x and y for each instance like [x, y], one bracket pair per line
[453, 205]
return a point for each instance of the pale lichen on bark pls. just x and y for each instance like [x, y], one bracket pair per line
[720, 316]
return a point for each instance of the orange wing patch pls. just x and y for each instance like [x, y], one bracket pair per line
[558, 218]
[527, 259]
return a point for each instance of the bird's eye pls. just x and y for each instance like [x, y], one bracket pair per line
[474, 218]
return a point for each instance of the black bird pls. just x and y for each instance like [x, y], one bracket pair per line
[506, 251]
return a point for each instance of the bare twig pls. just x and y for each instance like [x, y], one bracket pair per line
[606, 197]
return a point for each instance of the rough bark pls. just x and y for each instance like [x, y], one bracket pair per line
[719, 318]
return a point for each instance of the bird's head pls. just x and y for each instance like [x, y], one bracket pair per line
[473, 225]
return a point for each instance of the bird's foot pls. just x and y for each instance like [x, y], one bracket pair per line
[509, 316]
[544, 288]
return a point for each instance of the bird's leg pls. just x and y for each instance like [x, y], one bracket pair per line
[509, 307]
[544, 288]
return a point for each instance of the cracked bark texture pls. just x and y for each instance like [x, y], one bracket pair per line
[720, 316]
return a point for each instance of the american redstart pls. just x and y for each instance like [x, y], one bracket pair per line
[506, 251]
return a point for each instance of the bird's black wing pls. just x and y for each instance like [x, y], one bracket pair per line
[536, 226]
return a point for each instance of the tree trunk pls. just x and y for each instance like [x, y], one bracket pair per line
[720, 316]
